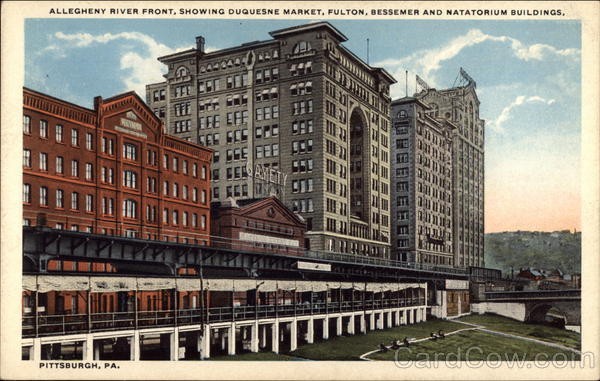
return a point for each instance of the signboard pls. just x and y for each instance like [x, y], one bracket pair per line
[269, 175]
[131, 126]
[270, 181]
[456, 284]
[312, 266]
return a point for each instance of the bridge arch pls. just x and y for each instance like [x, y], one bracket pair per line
[546, 313]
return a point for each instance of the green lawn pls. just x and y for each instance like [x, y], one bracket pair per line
[537, 331]
[475, 346]
[351, 347]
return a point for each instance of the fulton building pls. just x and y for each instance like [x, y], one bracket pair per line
[298, 116]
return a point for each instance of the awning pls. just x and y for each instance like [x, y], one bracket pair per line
[149, 284]
[301, 65]
[105, 283]
[187, 284]
[303, 286]
[219, 284]
[308, 64]
[286, 284]
[293, 86]
[29, 283]
[273, 90]
[293, 67]
[309, 84]
[56, 283]
[244, 284]
[267, 285]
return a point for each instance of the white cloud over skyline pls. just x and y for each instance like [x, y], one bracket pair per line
[497, 125]
[427, 62]
[139, 67]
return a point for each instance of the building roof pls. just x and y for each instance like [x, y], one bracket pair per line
[307, 27]
[252, 203]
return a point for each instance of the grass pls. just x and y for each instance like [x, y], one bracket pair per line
[537, 331]
[351, 347]
[476, 346]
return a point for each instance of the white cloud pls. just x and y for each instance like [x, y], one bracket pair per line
[497, 124]
[426, 62]
[140, 67]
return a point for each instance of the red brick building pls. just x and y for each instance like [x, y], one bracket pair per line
[112, 170]
[257, 225]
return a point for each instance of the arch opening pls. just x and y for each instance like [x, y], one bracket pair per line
[358, 152]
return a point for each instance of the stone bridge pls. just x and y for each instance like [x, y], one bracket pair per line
[532, 306]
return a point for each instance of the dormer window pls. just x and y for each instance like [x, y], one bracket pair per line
[181, 72]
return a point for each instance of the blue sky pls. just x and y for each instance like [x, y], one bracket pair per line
[527, 72]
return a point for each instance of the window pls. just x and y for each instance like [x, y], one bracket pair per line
[43, 161]
[60, 198]
[203, 175]
[74, 137]
[130, 151]
[130, 179]
[27, 193]
[203, 222]
[203, 196]
[43, 129]
[27, 158]
[74, 168]
[89, 171]
[43, 196]
[107, 146]
[301, 47]
[75, 201]
[175, 219]
[89, 203]
[26, 124]
[129, 208]
[89, 141]
[59, 133]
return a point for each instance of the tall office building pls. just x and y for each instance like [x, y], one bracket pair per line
[299, 116]
[458, 108]
[421, 184]
[460, 105]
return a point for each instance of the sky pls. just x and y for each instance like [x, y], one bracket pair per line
[528, 76]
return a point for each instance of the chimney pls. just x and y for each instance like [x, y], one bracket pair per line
[200, 44]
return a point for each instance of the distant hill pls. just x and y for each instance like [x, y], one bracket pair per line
[546, 250]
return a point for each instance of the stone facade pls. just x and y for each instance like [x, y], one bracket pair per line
[460, 106]
[298, 116]
[421, 184]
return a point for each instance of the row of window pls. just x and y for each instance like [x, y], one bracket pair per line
[44, 198]
[59, 131]
[267, 150]
[266, 113]
[129, 210]
[266, 75]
